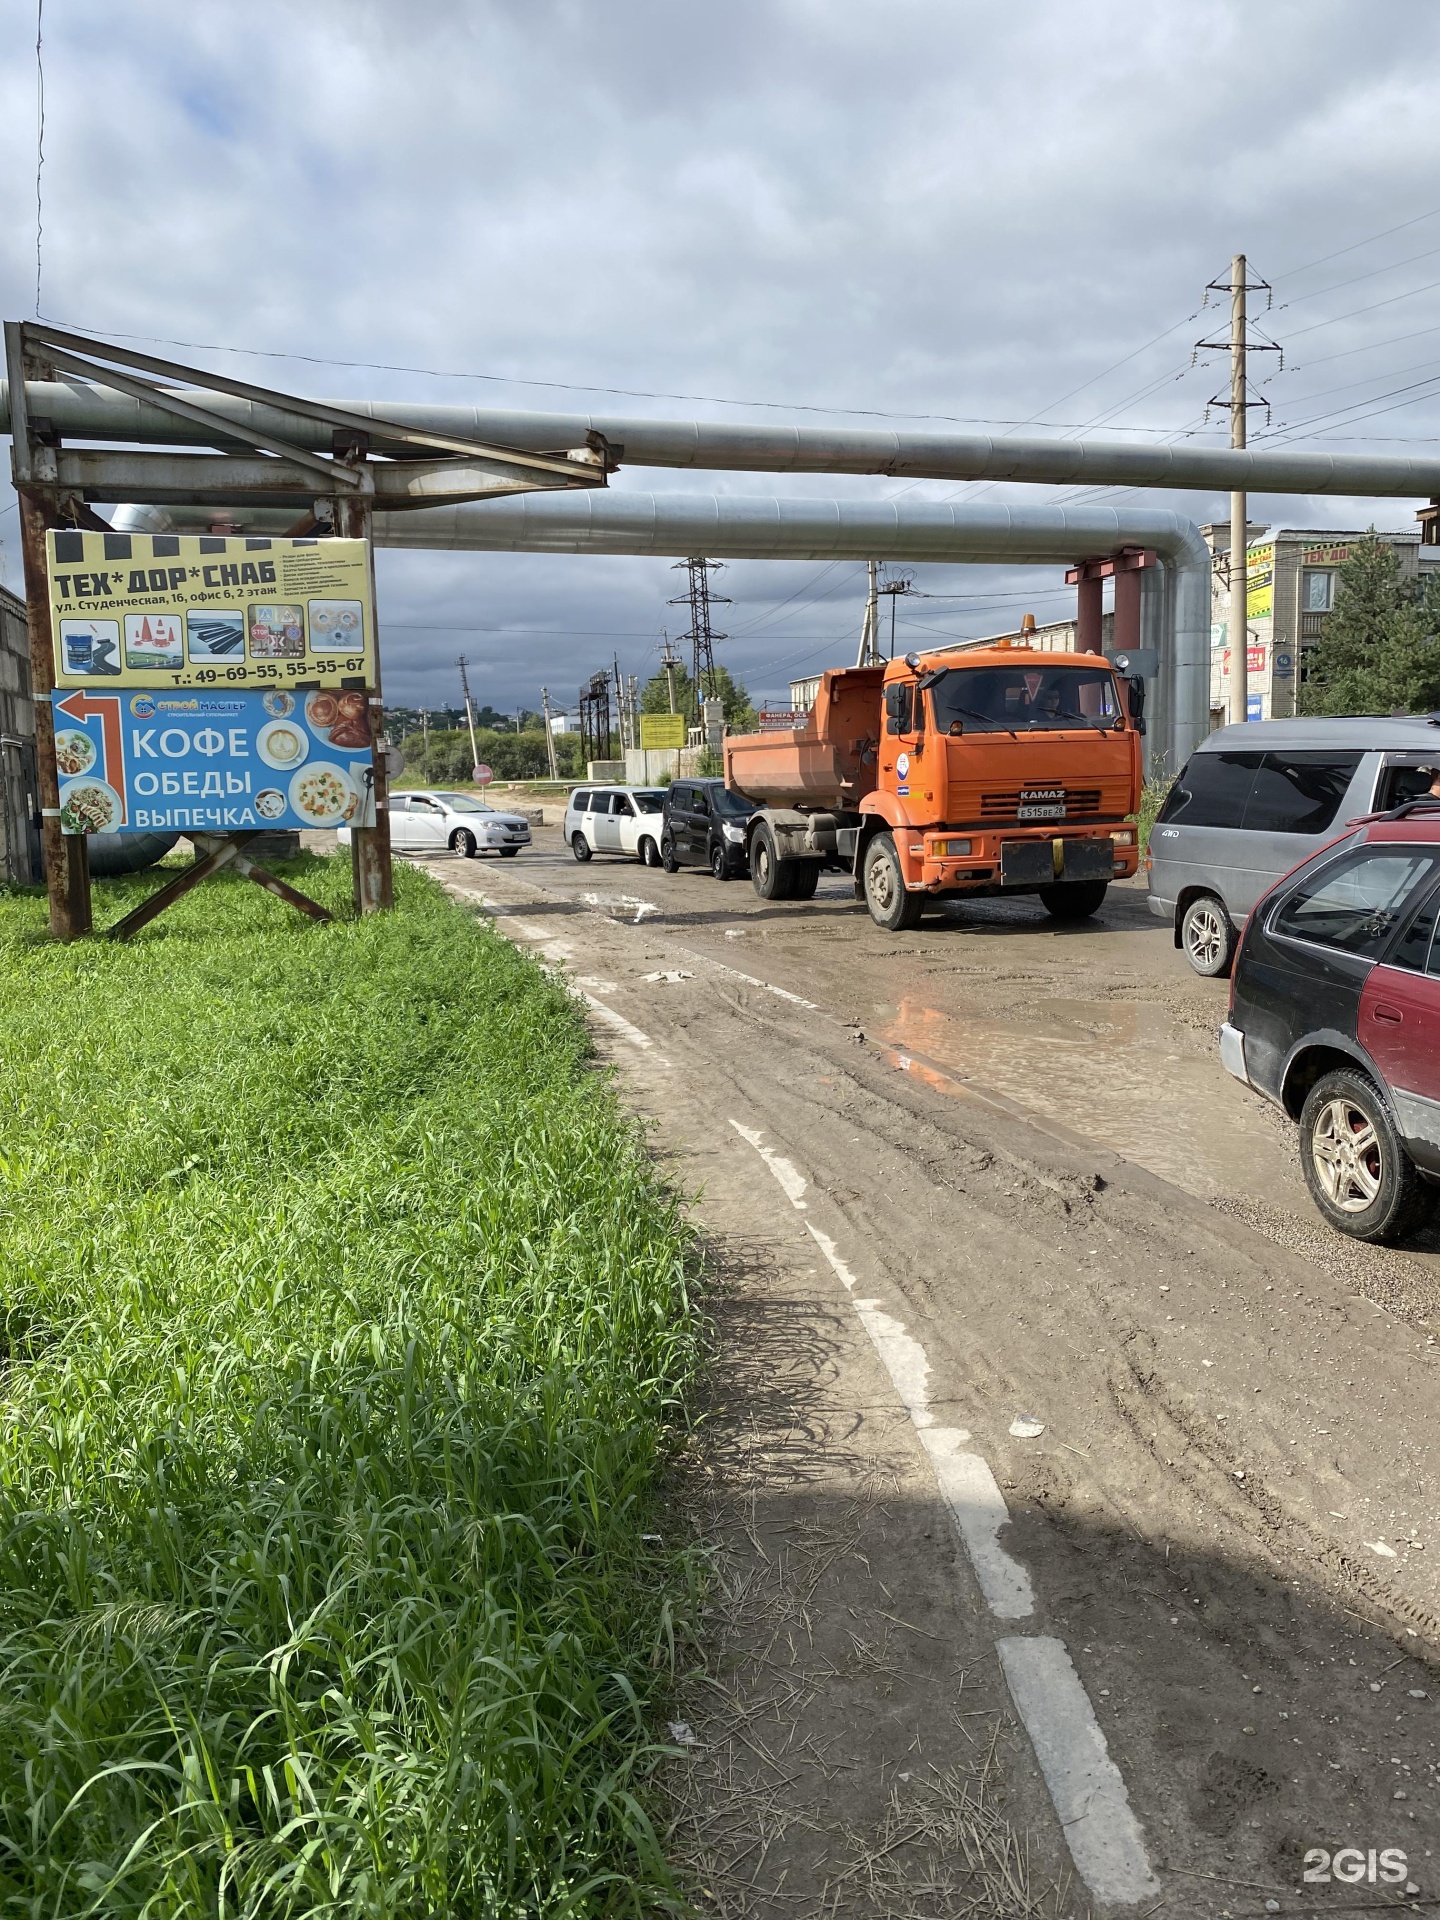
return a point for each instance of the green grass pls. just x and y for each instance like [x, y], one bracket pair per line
[344, 1320]
[1152, 797]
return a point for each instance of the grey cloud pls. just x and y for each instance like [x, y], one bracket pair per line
[926, 207]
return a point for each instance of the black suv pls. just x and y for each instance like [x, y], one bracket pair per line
[704, 826]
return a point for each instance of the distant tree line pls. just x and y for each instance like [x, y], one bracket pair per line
[513, 756]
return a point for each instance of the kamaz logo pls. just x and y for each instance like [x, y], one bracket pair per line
[1027, 794]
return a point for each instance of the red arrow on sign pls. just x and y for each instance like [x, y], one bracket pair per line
[106, 708]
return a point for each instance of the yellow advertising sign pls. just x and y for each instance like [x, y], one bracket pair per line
[209, 610]
[662, 732]
[1260, 583]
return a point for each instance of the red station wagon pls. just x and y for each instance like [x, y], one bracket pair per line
[1335, 1016]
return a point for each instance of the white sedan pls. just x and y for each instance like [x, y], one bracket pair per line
[616, 820]
[428, 822]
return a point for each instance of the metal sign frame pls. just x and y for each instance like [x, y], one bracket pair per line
[372, 461]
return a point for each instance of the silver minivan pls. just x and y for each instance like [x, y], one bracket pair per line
[1253, 801]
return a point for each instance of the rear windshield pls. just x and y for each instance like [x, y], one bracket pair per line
[1024, 699]
[1272, 792]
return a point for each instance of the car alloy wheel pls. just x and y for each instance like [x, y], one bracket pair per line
[719, 865]
[649, 853]
[667, 855]
[1348, 1157]
[463, 843]
[1208, 937]
[1355, 1163]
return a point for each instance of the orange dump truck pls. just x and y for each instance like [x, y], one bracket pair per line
[991, 771]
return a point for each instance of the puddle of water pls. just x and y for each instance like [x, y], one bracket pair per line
[1113, 1079]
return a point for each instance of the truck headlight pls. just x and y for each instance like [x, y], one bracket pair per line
[949, 849]
[732, 830]
[1124, 836]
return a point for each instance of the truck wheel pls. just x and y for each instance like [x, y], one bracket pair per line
[1073, 899]
[770, 876]
[1207, 937]
[806, 879]
[891, 905]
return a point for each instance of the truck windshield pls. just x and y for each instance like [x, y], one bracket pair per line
[1023, 699]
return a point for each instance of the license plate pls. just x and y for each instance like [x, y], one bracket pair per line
[1040, 813]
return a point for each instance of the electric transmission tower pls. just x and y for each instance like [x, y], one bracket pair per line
[702, 636]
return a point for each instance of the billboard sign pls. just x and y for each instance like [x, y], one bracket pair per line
[1260, 582]
[662, 732]
[232, 761]
[209, 610]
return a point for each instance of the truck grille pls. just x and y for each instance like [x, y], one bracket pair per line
[1080, 802]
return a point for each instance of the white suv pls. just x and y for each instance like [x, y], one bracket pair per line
[623, 820]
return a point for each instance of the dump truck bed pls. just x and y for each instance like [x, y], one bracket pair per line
[829, 761]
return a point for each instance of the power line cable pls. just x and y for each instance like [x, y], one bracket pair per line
[1292, 273]
[1355, 279]
[39, 140]
[1375, 306]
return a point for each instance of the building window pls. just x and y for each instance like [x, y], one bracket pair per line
[1319, 591]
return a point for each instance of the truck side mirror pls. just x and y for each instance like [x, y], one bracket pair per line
[1136, 684]
[899, 703]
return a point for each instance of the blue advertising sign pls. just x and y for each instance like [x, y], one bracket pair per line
[183, 761]
[1254, 706]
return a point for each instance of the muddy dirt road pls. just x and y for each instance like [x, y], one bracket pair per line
[1076, 1490]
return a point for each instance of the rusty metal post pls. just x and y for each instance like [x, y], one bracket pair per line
[67, 864]
[1127, 609]
[1090, 597]
[373, 879]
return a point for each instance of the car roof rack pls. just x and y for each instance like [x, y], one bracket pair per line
[1422, 803]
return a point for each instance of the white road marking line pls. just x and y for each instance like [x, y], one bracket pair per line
[973, 1496]
[793, 1182]
[618, 1023]
[766, 986]
[968, 1486]
[1105, 1839]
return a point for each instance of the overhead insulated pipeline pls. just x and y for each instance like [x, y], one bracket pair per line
[1175, 607]
[79, 412]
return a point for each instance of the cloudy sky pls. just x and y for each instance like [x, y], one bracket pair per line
[915, 207]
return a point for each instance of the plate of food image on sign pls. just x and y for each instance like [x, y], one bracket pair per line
[88, 805]
[74, 752]
[343, 719]
[323, 795]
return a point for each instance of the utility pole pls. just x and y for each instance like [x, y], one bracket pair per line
[669, 660]
[869, 633]
[902, 584]
[425, 730]
[549, 733]
[1240, 346]
[469, 711]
